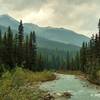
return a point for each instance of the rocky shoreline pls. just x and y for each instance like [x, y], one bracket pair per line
[54, 96]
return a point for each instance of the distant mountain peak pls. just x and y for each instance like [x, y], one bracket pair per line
[61, 35]
[6, 20]
[31, 24]
[6, 16]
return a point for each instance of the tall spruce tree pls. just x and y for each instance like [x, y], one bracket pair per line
[27, 52]
[99, 43]
[4, 50]
[68, 60]
[15, 51]
[20, 56]
[32, 51]
[83, 58]
[34, 48]
[20, 34]
[0, 48]
[9, 56]
[40, 63]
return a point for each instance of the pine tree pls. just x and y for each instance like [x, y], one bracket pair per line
[77, 61]
[9, 56]
[68, 60]
[20, 34]
[20, 56]
[40, 63]
[27, 52]
[32, 51]
[83, 58]
[0, 48]
[15, 51]
[4, 50]
[99, 43]
[34, 48]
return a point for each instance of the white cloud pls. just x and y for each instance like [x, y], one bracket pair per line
[78, 15]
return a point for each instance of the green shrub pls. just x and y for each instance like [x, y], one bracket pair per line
[21, 84]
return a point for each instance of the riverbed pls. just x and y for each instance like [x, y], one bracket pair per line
[80, 89]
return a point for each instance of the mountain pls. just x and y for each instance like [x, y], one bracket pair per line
[60, 35]
[45, 43]
[48, 44]
[63, 35]
[6, 20]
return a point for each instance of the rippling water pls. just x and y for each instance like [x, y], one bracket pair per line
[80, 89]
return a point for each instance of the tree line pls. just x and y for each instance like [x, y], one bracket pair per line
[90, 54]
[21, 50]
[17, 50]
[65, 62]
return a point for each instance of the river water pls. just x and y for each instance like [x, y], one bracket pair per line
[80, 89]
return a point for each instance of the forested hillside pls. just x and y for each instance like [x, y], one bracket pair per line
[90, 57]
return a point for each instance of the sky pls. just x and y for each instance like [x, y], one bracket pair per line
[78, 15]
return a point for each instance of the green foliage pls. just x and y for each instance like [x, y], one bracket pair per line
[21, 84]
[14, 50]
[90, 56]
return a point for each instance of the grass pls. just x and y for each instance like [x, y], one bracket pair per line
[71, 72]
[21, 84]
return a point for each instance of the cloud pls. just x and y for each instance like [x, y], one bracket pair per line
[78, 15]
[23, 4]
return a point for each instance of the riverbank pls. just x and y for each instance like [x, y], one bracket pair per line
[78, 88]
[21, 84]
[82, 76]
[79, 74]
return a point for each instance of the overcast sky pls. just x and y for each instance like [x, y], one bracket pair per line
[78, 15]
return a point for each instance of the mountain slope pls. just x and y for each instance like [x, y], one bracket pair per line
[6, 20]
[54, 34]
[48, 44]
[45, 43]
[62, 35]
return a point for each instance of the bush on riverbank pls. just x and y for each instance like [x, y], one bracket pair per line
[21, 84]
[94, 77]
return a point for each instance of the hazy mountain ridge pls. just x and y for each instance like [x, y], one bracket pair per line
[45, 43]
[48, 44]
[56, 34]
[47, 37]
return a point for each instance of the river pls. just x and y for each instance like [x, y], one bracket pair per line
[80, 89]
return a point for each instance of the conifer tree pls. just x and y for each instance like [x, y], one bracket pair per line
[68, 60]
[40, 63]
[32, 51]
[83, 58]
[34, 48]
[9, 51]
[27, 52]
[0, 48]
[4, 50]
[77, 61]
[20, 56]
[20, 34]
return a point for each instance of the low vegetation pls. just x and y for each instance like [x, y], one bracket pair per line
[71, 72]
[94, 77]
[22, 84]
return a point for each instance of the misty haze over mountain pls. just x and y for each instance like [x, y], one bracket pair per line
[60, 36]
